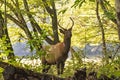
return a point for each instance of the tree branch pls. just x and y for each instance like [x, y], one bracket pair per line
[1, 24]
[106, 11]
[117, 6]
[20, 22]
[34, 23]
[49, 10]
[101, 27]
[53, 15]
[20, 25]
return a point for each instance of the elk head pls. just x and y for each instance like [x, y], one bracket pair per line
[67, 32]
[67, 35]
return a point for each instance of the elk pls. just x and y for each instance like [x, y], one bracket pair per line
[58, 53]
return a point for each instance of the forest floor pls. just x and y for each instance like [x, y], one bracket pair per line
[12, 72]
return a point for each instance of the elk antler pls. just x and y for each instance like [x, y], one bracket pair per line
[61, 26]
[72, 22]
[64, 28]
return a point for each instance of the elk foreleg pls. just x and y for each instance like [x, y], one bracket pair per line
[62, 67]
[58, 68]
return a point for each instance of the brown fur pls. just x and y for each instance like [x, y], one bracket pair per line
[54, 54]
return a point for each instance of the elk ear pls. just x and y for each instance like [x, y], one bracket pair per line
[62, 31]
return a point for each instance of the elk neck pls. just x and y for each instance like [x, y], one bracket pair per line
[67, 43]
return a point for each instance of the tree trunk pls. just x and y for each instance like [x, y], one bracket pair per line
[117, 6]
[34, 24]
[1, 25]
[102, 29]
[5, 29]
[53, 15]
[18, 19]
[54, 23]
[4, 32]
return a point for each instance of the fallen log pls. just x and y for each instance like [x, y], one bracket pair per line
[16, 73]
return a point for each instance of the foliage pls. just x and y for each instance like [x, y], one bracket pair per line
[78, 3]
[4, 52]
[86, 30]
[17, 36]
[111, 69]
[35, 43]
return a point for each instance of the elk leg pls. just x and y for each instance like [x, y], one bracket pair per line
[58, 68]
[62, 67]
[46, 68]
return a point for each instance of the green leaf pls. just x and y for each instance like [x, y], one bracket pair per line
[1, 70]
[78, 3]
[62, 11]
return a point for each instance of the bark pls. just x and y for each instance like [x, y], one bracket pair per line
[17, 22]
[117, 6]
[102, 4]
[4, 32]
[54, 23]
[16, 73]
[114, 20]
[5, 29]
[34, 24]
[1, 25]
[102, 29]
[22, 20]
[18, 19]
[52, 12]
